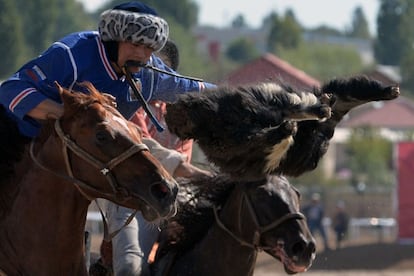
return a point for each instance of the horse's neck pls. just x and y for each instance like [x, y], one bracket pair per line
[49, 203]
[218, 253]
[45, 224]
[49, 194]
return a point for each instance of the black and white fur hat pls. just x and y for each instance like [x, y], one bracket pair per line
[134, 22]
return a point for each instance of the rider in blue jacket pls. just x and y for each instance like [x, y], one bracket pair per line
[129, 32]
[30, 94]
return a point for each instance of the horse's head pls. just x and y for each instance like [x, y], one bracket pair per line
[105, 156]
[271, 220]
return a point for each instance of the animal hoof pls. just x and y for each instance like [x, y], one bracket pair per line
[394, 91]
[325, 112]
[289, 128]
[327, 98]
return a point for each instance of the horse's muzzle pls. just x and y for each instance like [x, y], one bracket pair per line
[164, 194]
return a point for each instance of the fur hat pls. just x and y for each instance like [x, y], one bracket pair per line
[134, 22]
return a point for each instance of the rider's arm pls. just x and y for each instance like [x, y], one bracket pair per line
[173, 161]
[170, 159]
[32, 90]
[166, 87]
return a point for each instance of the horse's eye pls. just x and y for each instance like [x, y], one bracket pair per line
[103, 137]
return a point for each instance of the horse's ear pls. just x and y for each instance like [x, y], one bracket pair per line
[66, 96]
[60, 88]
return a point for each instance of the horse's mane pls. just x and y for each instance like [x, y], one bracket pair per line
[13, 144]
[85, 96]
[195, 200]
[79, 102]
[93, 95]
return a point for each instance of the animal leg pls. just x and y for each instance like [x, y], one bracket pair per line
[277, 151]
[313, 112]
[356, 91]
[313, 137]
[310, 107]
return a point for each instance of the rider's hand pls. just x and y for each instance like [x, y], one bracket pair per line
[187, 170]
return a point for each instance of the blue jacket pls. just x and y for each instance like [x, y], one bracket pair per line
[81, 57]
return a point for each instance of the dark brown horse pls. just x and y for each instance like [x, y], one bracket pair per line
[47, 184]
[222, 224]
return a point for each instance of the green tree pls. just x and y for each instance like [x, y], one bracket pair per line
[12, 46]
[241, 50]
[185, 12]
[45, 21]
[406, 62]
[387, 47]
[324, 30]
[71, 17]
[293, 30]
[324, 61]
[370, 157]
[407, 72]
[395, 42]
[191, 63]
[284, 32]
[29, 27]
[359, 27]
[38, 17]
[239, 22]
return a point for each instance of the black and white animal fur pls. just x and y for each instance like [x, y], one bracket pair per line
[245, 129]
[249, 131]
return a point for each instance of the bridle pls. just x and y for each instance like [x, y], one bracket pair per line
[105, 168]
[121, 193]
[259, 230]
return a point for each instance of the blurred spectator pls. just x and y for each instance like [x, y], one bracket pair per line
[340, 223]
[315, 213]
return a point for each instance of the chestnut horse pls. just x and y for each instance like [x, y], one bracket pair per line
[48, 183]
[221, 225]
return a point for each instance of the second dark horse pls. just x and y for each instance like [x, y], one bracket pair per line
[222, 224]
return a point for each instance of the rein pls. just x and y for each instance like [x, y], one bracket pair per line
[148, 66]
[255, 243]
[136, 90]
[104, 168]
[139, 96]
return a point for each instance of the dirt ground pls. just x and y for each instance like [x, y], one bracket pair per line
[368, 257]
[379, 259]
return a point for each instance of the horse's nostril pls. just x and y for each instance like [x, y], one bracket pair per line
[312, 247]
[298, 247]
[160, 190]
